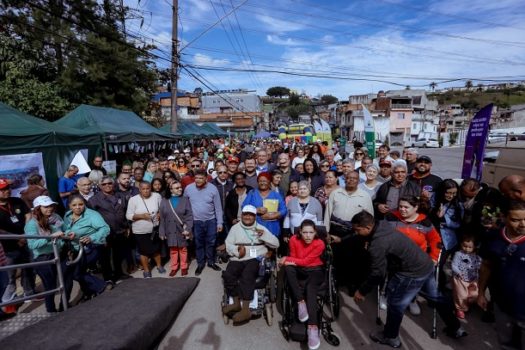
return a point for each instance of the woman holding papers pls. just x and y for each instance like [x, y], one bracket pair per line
[270, 204]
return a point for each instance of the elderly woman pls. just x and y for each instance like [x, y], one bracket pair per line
[143, 211]
[45, 222]
[176, 224]
[371, 184]
[151, 169]
[303, 207]
[270, 204]
[91, 230]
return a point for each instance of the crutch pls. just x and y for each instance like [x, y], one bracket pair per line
[434, 313]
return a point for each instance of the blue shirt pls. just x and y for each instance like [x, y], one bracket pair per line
[205, 203]
[254, 198]
[66, 185]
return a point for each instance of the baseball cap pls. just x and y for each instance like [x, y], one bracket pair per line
[424, 159]
[4, 183]
[171, 158]
[249, 209]
[233, 159]
[385, 162]
[43, 201]
[176, 151]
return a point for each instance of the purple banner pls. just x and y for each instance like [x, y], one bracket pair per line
[475, 143]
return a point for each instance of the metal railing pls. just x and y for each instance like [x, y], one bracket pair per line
[56, 261]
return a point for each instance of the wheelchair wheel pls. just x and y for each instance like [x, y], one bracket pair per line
[333, 296]
[268, 314]
[332, 339]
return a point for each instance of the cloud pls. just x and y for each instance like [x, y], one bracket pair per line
[280, 26]
[205, 60]
[276, 40]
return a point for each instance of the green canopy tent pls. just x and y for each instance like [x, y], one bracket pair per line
[115, 125]
[214, 129]
[188, 129]
[22, 133]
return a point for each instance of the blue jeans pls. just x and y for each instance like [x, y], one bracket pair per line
[48, 275]
[89, 284]
[401, 290]
[205, 235]
[20, 256]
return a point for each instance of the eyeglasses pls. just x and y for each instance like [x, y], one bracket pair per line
[359, 154]
[176, 188]
[195, 165]
[106, 183]
[325, 166]
[222, 172]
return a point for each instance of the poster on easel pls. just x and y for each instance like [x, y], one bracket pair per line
[17, 168]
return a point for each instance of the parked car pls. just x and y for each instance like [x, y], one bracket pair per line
[502, 161]
[426, 142]
[497, 137]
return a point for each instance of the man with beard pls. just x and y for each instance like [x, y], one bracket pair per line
[427, 182]
[288, 174]
[112, 207]
[233, 166]
[251, 172]
[388, 194]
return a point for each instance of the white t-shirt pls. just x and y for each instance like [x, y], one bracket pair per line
[136, 206]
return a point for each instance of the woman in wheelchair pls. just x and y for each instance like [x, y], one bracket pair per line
[305, 273]
[247, 244]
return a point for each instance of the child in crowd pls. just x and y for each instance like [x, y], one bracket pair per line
[465, 266]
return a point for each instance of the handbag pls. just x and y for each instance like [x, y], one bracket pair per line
[155, 232]
[340, 227]
[184, 227]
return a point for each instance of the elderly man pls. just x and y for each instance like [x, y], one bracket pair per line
[410, 158]
[503, 271]
[288, 173]
[85, 188]
[263, 166]
[513, 187]
[341, 207]
[208, 219]
[388, 194]
[348, 167]
[67, 184]
[97, 171]
[383, 153]
[246, 243]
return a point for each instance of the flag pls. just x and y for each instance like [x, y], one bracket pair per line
[370, 133]
[475, 143]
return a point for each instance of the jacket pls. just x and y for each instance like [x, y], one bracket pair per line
[170, 227]
[305, 255]
[421, 231]
[89, 224]
[43, 246]
[113, 210]
[231, 208]
[398, 252]
[246, 235]
[315, 181]
[223, 189]
[409, 188]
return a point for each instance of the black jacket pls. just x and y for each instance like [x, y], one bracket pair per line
[402, 256]
[223, 189]
[409, 188]
[113, 210]
[232, 205]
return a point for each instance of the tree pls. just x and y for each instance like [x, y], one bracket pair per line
[278, 91]
[328, 99]
[480, 88]
[407, 87]
[433, 86]
[294, 100]
[468, 84]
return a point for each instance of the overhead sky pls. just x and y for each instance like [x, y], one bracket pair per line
[343, 47]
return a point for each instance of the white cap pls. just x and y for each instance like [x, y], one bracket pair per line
[176, 151]
[43, 201]
[249, 209]
[171, 158]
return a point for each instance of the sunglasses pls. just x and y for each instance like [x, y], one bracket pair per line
[359, 154]
[222, 172]
[325, 166]
[195, 166]
[106, 183]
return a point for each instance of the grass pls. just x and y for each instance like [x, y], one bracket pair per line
[476, 99]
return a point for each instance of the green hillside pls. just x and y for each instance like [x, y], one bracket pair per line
[477, 98]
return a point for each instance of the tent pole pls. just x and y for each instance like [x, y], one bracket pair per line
[154, 149]
[105, 149]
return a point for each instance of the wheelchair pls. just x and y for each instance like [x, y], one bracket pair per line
[327, 300]
[264, 294]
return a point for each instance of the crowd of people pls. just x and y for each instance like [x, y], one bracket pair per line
[390, 221]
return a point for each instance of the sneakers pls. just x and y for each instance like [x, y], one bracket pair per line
[313, 338]
[161, 269]
[382, 302]
[184, 272]
[173, 272]
[460, 314]
[215, 267]
[146, 274]
[414, 308]
[458, 333]
[9, 293]
[302, 312]
[381, 339]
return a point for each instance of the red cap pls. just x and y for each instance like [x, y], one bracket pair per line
[4, 183]
[233, 159]
[385, 162]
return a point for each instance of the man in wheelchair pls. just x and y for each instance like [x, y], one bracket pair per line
[305, 273]
[247, 243]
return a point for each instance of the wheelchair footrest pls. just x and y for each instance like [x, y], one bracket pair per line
[297, 332]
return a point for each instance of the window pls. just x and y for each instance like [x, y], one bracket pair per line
[414, 126]
[401, 116]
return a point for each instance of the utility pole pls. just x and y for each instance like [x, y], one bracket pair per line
[174, 65]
